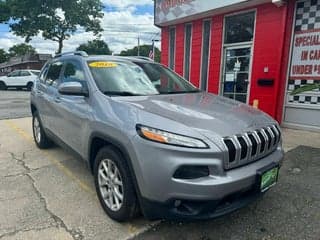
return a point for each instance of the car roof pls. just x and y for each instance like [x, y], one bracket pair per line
[117, 58]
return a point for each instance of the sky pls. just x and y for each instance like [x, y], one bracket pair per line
[123, 22]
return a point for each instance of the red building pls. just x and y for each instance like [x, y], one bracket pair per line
[255, 51]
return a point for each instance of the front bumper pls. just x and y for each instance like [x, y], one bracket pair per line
[207, 197]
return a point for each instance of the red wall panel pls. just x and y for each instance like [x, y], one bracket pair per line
[196, 52]
[165, 45]
[269, 37]
[179, 57]
[215, 54]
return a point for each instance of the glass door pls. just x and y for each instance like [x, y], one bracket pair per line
[236, 72]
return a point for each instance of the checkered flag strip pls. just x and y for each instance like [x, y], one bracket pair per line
[308, 15]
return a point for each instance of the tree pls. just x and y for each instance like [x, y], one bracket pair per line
[95, 47]
[4, 12]
[55, 20]
[21, 50]
[144, 51]
[3, 56]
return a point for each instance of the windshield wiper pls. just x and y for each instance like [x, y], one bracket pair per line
[121, 93]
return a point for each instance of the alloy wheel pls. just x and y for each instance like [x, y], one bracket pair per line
[110, 184]
[37, 129]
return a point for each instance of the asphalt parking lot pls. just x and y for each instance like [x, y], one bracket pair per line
[14, 104]
[50, 194]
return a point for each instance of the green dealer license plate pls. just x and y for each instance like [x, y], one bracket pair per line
[269, 179]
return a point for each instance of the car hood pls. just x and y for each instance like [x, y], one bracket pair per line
[204, 112]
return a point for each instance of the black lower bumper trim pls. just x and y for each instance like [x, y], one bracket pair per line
[182, 209]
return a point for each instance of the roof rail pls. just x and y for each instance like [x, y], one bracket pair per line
[140, 57]
[78, 53]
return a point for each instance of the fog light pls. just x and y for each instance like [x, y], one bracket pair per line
[191, 172]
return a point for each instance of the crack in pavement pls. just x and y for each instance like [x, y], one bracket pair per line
[20, 161]
[75, 234]
[12, 233]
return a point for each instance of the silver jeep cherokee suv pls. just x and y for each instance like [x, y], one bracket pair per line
[154, 142]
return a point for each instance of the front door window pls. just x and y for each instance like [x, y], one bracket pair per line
[236, 73]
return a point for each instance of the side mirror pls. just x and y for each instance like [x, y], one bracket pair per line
[73, 89]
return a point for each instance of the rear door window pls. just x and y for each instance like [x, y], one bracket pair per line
[43, 73]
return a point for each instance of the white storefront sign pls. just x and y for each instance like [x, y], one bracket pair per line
[170, 10]
[306, 55]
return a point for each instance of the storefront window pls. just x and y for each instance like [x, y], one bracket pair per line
[172, 43]
[239, 28]
[187, 54]
[206, 31]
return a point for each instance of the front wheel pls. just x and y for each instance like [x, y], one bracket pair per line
[3, 86]
[114, 185]
[39, 136]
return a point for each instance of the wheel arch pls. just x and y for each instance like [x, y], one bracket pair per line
[98, 141]
[3, 82]
[33, 108]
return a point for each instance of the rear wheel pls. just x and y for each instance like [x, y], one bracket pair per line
[114, 185]
[3, 86]
[39, 136]
[29, 86]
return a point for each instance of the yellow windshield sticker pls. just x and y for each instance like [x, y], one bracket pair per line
[103, 64]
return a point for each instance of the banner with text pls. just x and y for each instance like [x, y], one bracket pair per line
[306, 55]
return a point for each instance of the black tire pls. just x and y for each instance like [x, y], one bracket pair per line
[3, 86]
[43, 142]
[29, 86]
[130, 207]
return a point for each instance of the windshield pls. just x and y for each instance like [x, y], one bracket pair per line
[140, 78]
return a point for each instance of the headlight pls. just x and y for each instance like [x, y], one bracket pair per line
[161, 136]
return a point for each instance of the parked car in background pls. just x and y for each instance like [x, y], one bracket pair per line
[153, 141]
[19, 79]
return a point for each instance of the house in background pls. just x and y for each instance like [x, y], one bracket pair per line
[254, 51]
[35, 61]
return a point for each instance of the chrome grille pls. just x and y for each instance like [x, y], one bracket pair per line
[251, 146]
